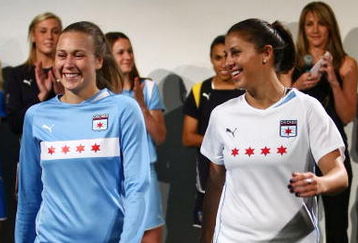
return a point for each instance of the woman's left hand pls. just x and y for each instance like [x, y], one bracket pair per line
[138, 92]
[327, 67]
[304, 184]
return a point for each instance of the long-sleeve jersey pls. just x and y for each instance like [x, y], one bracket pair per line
[84, 171]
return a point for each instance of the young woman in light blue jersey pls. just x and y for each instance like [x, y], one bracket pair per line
[84, 160]
[146, 93]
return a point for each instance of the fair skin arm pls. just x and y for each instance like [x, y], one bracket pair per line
[46, 82]
[215, 184]
[154, 119]
[190, 136]
[345, 96]
[334, 178]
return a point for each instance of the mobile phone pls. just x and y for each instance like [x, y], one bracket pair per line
[315, 69]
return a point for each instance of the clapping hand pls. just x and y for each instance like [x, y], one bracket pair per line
[138, 92]
[44, 81]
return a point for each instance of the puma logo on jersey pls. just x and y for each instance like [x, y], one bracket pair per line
[207, 96]
[231, 132]
[48, 128]
[28, 82]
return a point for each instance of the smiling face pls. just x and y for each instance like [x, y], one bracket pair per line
[218, 58]
[315, 31]
[123, 54]
[243, 61]
[77, 63]
[45, 36]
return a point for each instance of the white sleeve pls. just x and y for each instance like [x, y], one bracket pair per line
[212, 145]
[324, 136]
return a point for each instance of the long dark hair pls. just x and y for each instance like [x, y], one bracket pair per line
[109, 76]
[334, 43]
[261, 33]
[112, 37]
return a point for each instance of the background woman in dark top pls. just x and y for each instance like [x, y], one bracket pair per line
[34, 81]
[335, 87]
[2, 198]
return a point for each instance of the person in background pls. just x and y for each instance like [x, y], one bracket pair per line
[264, 145]
[146, 93]
[3, 216]
[2, 96]
[28, 84]
[202, 99]
[84, 160]
[335, 86]
[34, 81]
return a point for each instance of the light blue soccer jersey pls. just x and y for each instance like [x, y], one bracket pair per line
[154, 102]
[84, 172]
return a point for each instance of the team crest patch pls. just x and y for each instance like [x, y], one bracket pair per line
[100, 122]
[288, 128]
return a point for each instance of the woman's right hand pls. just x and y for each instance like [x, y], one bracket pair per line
[44, 81]
[306, 81]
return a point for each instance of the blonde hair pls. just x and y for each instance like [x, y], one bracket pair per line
[334, 43]
[39, 18]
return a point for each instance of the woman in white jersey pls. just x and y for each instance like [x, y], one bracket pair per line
[264, 146]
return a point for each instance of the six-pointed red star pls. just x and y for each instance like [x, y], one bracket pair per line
[249, 151]
[99, 124]
[234, 152]
[96, 147]
[281, 150]
[80, 148]
[51, 150]
[288, 131]
[65, 149]
[265, 150]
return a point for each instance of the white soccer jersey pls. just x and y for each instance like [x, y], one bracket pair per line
[260, 149]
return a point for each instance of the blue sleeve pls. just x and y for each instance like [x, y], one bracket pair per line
[30, 185]
[136, 169]
[154, 101]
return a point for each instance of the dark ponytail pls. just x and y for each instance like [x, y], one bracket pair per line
[261, 33]
[285, 56]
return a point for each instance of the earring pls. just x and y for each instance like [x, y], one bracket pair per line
[264, 61]
[58, 80]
